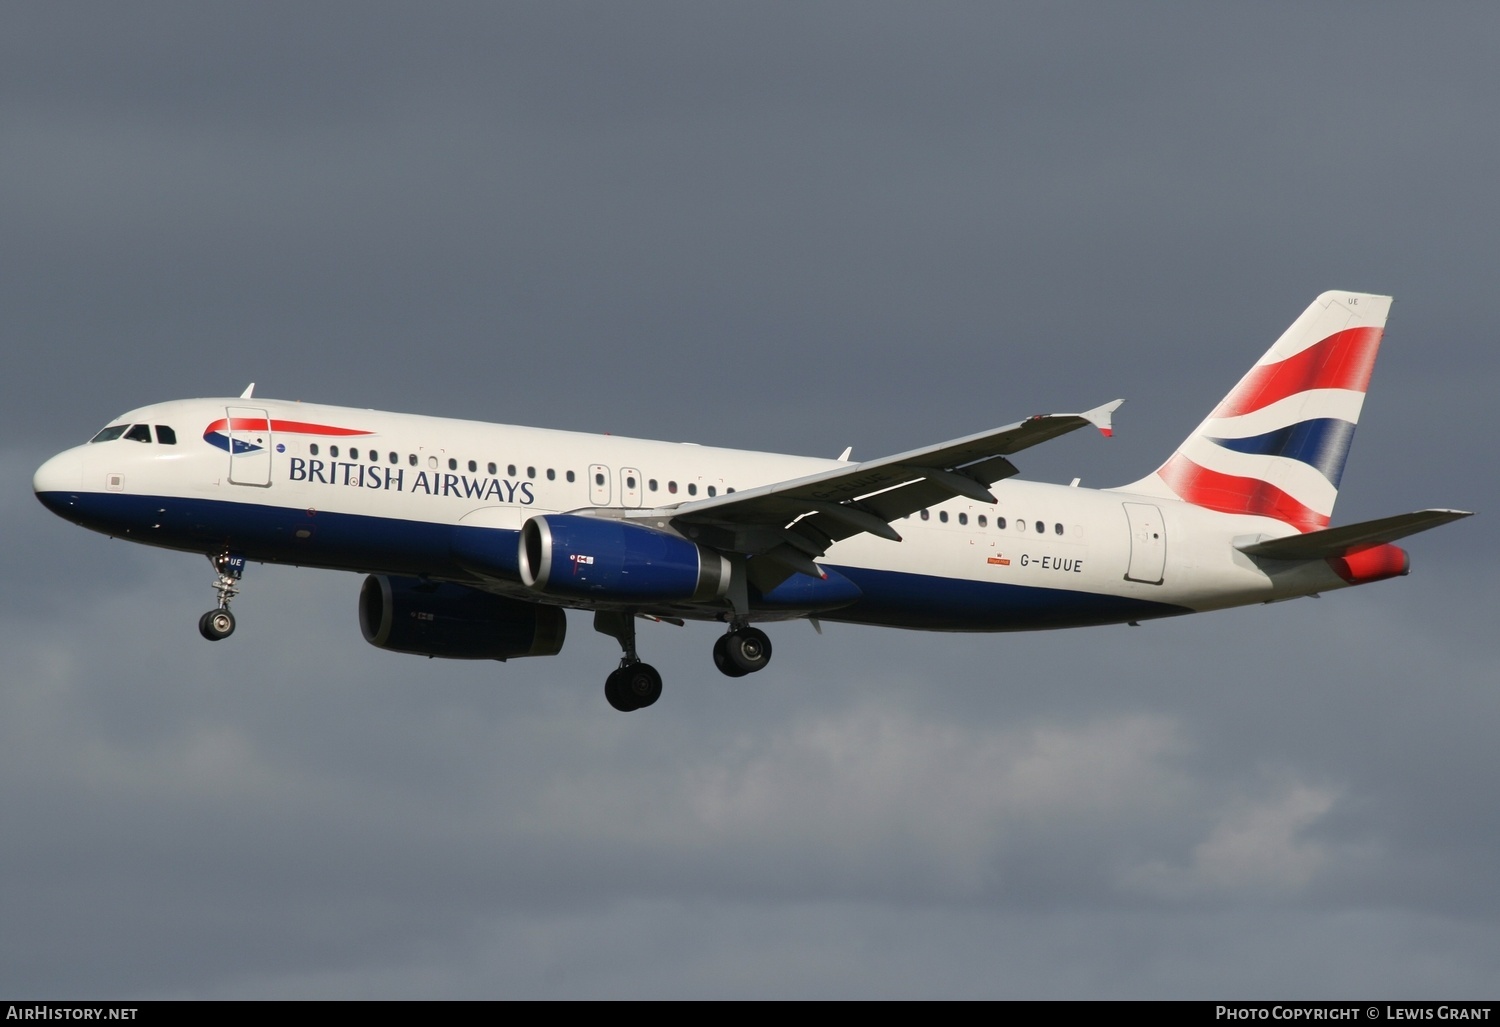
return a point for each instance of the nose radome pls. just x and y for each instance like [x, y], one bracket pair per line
[58, 479]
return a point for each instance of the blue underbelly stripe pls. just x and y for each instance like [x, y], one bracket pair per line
[358, 542]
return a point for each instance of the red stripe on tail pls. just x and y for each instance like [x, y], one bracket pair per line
[1229, 493]
[1344, 360]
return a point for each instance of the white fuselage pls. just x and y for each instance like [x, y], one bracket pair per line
[381, 492]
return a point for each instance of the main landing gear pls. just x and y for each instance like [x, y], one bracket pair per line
[219, 622]
[636, 685]
[742, 651]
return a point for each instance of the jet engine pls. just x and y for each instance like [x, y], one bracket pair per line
[408, 615]
[616, 561]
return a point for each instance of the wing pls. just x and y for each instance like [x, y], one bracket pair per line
[791, 522]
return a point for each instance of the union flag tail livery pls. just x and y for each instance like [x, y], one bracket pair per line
[478, 538]
[1276, 445]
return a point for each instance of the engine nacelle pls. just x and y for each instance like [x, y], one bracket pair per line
[408, 615]
[617, 561]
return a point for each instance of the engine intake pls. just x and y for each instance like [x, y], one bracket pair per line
[408, 615]
[612, 560]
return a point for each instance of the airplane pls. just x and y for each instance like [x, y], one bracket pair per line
[476, 538]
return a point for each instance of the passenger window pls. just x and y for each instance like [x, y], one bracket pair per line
[490, 467]
[139, 433]
[630, 481]
[510, 470]
[711, 491]
[452, 463]
[395, 458]
[551, 474]
[571, 476]
[312, 449]
[672, 487]
[111, 433]
[353, 454]
[692, 488]
[333, 451]
[598, 478]
[1020, 525]
[963, 518]
[473, 467]
[1000, 523]
[925, 515]
[166, 436]
[983, 520]
[943, 516]
[1057, 528]
[531, 472]
[651, 484]
[1041, 529]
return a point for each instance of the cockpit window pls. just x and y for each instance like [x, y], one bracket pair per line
[139, 433]
[166, 436]
[111, 433]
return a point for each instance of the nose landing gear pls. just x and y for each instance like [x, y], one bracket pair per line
[219, 622]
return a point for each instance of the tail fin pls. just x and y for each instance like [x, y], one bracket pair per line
[1276, 445]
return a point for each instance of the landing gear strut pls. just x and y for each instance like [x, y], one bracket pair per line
[742, 651]
[219, 622]
[634, 685]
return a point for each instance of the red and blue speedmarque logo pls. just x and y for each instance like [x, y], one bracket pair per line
[230, 433]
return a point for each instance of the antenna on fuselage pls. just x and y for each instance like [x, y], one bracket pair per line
[249, 391]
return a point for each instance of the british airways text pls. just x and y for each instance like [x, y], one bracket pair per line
[395, 479]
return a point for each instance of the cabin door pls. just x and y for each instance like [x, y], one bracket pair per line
[1148, 544]
[249, 446]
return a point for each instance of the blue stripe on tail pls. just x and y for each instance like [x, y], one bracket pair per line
[1322, 443]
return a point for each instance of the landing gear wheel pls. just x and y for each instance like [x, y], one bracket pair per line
[615, 693]
[219, 622]
[722, 660]
[633, 687]
[641, 683]
[748, 649]
[216, 624]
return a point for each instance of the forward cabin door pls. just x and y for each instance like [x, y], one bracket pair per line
[249, 446]
[1148, 544]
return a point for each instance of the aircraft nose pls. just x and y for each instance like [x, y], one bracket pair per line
[58, 481]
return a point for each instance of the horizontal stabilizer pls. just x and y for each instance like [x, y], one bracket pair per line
[1315, 545]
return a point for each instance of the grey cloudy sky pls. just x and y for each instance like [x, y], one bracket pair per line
[778, 226]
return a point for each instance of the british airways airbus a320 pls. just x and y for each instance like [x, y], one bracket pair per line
[477, 537]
